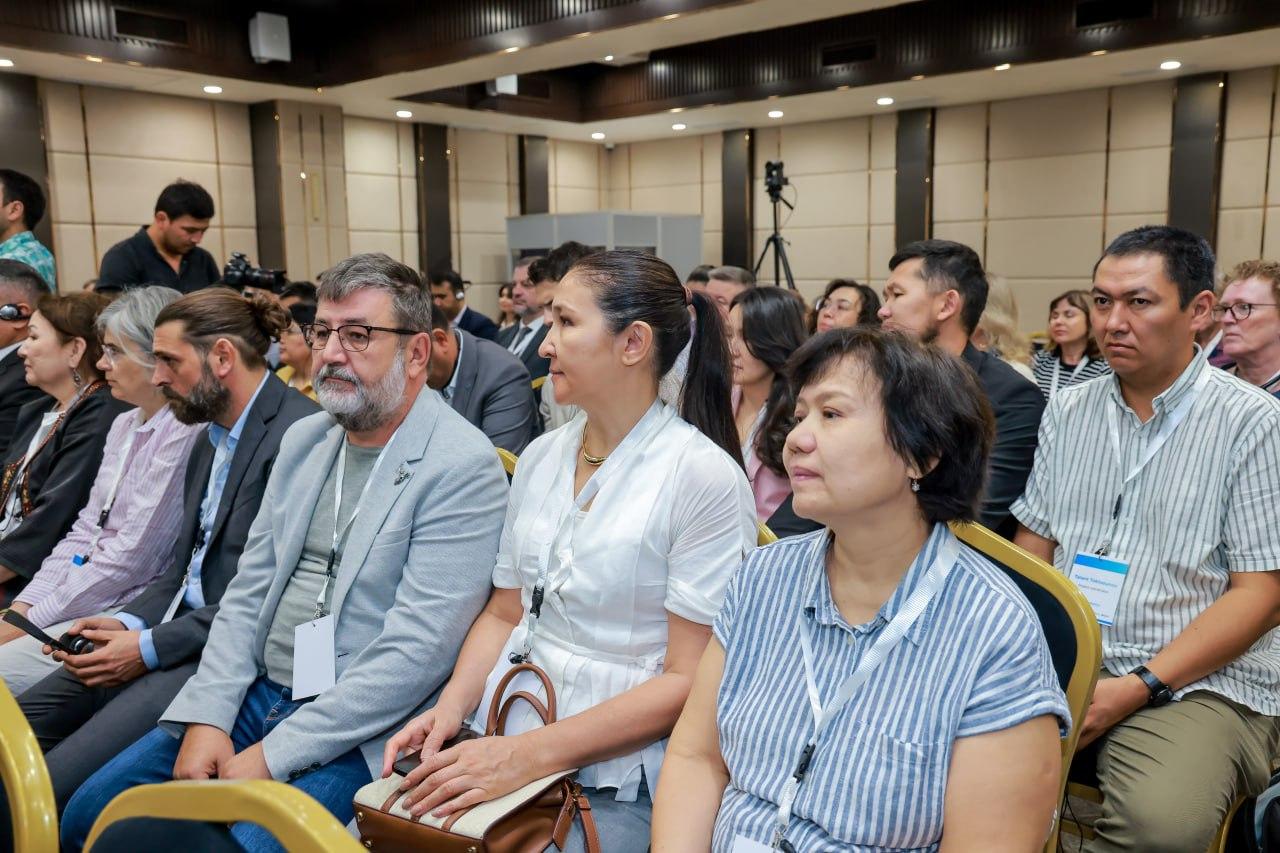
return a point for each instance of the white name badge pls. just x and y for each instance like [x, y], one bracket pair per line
[1100, 580]
[742, 844]
[313, 658]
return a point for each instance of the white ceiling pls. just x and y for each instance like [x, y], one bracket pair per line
[374, 98]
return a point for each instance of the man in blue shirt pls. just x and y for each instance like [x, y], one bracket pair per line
[22, 205]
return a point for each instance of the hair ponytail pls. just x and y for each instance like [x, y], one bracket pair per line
[705, 402]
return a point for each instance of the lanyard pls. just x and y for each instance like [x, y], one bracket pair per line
[1057, 373]
[340, 532]
[1172, 420]
[948, 552]
[111, 497]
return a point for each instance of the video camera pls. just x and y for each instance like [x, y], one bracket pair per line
[239, 273]
[774, 180]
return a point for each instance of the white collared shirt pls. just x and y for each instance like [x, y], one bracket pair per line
[523, 335]
[457, 366]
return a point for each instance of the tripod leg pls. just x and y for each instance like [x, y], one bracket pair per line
[780, 252]
[760, 260]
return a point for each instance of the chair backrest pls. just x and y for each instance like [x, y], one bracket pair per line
[26, 782]
[764, 536]
[509, 460]
[539, 382]
[299, 823]
[1075, 641]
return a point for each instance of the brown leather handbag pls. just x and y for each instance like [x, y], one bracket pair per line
[528, 820]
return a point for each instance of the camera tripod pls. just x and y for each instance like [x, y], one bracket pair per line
[780, 263]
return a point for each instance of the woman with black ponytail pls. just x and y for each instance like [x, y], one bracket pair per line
[623, 529]
[766, 325]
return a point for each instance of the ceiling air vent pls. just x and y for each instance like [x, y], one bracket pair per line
[849, 52]
[130, 23]
[1093, 13]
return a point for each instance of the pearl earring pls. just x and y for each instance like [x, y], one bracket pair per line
[915, 484]
[76, 378]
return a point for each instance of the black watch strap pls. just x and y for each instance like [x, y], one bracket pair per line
[1161, 694]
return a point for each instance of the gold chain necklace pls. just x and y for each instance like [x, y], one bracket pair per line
[597, 461]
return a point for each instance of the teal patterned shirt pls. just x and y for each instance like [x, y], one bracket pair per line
[26, 248]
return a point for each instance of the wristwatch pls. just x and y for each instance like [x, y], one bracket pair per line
[1160, 692]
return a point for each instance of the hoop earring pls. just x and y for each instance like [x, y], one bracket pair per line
[915, 484]
[76, 378]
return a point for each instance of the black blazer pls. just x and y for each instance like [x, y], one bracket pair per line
[1017, 404]
[181, 639]
[14, 394]
[62, 475]
[785, 523]
[534, 363]
[478, 324]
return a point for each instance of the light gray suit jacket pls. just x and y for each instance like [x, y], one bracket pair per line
[414, 574]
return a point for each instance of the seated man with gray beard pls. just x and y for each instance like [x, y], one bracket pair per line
[368, 562]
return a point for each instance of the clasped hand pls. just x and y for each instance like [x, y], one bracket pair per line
[116, 657]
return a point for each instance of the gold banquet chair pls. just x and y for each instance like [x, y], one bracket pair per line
[539, 382]
[26, 782]
[299, 823]
[1075, 641]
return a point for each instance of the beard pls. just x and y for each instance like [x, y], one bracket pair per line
[365, 406]
[208, 400]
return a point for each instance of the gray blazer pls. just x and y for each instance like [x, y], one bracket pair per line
[414, 574]
[495, 393]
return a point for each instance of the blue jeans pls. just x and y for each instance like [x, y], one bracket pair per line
[151, 759]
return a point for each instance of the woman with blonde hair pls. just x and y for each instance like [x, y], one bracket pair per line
[997, 330]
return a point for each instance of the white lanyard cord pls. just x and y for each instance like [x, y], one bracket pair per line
[1057, 373]
[111, 494]
[948, 552]
[340, 533]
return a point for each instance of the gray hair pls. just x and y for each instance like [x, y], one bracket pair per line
[737, 275]
[409, 299]
[132, 315]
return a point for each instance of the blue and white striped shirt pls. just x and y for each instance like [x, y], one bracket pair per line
[974, 662]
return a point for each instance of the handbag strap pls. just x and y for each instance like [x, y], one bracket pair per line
[498, 710]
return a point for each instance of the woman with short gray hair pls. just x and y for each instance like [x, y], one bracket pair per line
[122, 539]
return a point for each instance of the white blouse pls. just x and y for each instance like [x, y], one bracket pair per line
[671, 521]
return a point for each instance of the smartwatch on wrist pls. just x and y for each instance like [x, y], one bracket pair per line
[1161, 694]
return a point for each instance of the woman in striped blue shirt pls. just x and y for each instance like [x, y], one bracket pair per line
[875, 685]
[1073, 355]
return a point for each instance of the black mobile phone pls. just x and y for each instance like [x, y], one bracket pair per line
[69, 644]
[408, 764]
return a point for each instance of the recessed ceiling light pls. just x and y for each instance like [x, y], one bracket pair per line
[213, 90]
[511, 49]
[1003, 66]
[609, 58]
[917, 77]
[1098, 53]
[885, 101]
[6, 63]
[94, 58]
[775, 113]
[582, 35]
[597, 135]
[1170, 65]
[403, 114]
[676, 110]
[302, 175]
[843, 87]
[679, 126]
[671, 17]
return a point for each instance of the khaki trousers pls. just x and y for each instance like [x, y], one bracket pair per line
[1169, 775]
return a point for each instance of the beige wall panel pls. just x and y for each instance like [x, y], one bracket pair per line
[214, 245]
[235, 144]
[882, 197]
[334, 136]
[483, 297]
[406, 158]
[576, 200]
[125, 189]
[838, 198]
[68, 188]
[826, 253]
[147, 125]
[575, 164]
[339, 247]
[240, 240]
[617, 169]
[826, 146]
[884, 141]
[1068, 185]
[1033, 296]
[312, 140]
[1142, 115]
[293, 197]
[1138, 181]
[1271, 238]
[960, 134]
[370, 146]
[105, 236]
[290, 133]
[481, 156]
[665, 163]
[1044, 248]
[618, 199]
[1273, 170]
[810, 289]
[959, 191]
[1239, 237]
[686, 198]
[387, 242]
[712, 156]
[296, 259]
[1249, 95]
[236, 190]
[768, 146]
[335, 192]
[318, 250]
[713, 206]
[968, 233]
[372, 203]
[1244, 163]
[1047, 125]
[881, 250]
[77, 262]
[713, 247]
[1117, 225]
[484, 257]
[482, 208]
[409, 249]
[63, 119]
[408, 205]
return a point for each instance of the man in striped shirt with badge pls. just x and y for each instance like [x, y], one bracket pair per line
[1156, 491]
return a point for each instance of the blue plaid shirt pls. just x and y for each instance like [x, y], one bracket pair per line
[26, 248]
